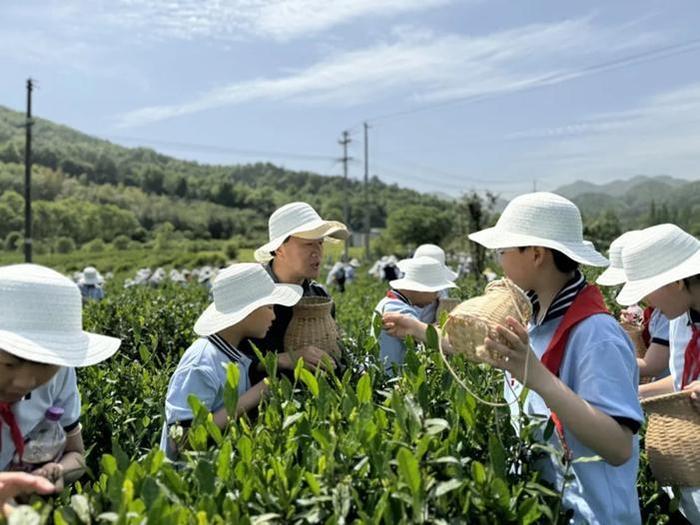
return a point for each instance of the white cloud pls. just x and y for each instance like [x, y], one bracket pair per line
[420, 66]
[660, 135]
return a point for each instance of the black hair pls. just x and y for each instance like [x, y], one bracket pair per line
[692, 280]
[563, 263]
[283, 242]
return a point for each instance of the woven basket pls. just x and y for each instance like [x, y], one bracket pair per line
[313, 325]
[446, 304]
[470, 322]
[673, 439]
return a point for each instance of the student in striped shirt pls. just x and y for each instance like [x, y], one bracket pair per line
[244, 296]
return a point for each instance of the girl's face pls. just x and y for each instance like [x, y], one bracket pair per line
[517, 265]
[259, 321]
[673, 299]
[18, 376]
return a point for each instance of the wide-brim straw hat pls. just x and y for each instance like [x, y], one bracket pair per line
[91, 276]
[615, 273]
[434, 252]
[422, 274]
[661, 255]
[541, 219]
[41, 319]
[298, 219]
[239, 290]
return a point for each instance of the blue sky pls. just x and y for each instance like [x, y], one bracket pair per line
[459, 94]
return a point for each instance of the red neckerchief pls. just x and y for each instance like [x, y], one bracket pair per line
[646, 334]
[8, 417]
[588, 302]
[691, 365]
[393, 294]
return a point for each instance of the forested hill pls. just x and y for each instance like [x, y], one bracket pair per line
[145, 189]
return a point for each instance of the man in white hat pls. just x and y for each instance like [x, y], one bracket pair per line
[244, 296]
[654, 323]
[293, 255]
[41, 343]
[581, 366]
[663, 268]
[428, 314]
[424, 279]
[90, 285]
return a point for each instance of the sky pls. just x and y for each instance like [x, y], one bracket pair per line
[459, 95]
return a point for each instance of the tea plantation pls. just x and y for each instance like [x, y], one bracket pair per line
[359, 448]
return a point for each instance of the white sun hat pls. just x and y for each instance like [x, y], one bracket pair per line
[434, 252]
[239, 290]
[41, 319]
[298, 219]
[422, 274]
[91, 276]
[541, 219]
[661, 255]
[615, 274]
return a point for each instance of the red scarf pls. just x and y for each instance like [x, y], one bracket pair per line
[646, 334]
[691, 366]
[8, 417]
[588, 302]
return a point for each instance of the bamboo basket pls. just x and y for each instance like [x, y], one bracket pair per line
[313, 325]
[673, 439]
[469, 323]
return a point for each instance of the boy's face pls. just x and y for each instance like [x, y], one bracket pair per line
[259, 321]
[673, 299]
[18, 376]
[421, 299]
[302, 257]
[517, 265]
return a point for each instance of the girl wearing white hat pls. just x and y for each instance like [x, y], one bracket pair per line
[41, 341]
[663, 267]
[428, 314]
[581, 365]
[654, 323]
[424, 278]
[244, 295]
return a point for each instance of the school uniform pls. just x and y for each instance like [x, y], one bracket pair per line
[392, 350]
[61, 391]
[599, 365]
[681, 332]
[202, 372]
[656, 329]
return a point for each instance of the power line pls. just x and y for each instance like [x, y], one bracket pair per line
[647, 56]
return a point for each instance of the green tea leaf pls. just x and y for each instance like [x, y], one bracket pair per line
[364, 389]
[409, 470]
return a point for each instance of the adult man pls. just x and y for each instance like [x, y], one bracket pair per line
[293, 255]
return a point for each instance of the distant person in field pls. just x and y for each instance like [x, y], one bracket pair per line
[244, 301]
[428, 314]
[421, 285]
[293, 255]
[90, 285]
[41, 343]
[337, 276]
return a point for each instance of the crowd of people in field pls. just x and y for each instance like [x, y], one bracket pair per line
[574, 360]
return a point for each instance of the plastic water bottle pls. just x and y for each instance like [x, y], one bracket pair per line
[45, 443]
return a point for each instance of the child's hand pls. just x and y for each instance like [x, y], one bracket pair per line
[512, 356]
[313, 358]
[53, 472]
[694, 387]
[400, 325]
[13, 484]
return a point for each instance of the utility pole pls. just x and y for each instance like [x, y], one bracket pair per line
[28, 178]
[346, 201]
[534, 184]
[367, 208]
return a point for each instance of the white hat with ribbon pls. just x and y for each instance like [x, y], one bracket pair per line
[541, 219]
[661, 255]
[41, 319]
[423, 274]
[298, 219]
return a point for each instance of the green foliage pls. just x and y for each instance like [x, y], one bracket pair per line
[65, 245]
[419, 224]
[231, 250]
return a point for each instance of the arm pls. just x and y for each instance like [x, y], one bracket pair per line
[592, 427]
[657, 388]
[655, 360]
[402, 325]
[251, 398]
[71, 466]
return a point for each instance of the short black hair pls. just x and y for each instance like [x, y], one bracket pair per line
[563, 263]
[692, 280]
[283, 242]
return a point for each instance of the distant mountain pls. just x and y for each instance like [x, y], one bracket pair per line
[616, 188]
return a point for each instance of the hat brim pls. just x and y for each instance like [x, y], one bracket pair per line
[581, 252]
[634, 291]
[449, 274]
[612, 277]
[213, 320]
[415, 286]
[313, 230]
[61, 349]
